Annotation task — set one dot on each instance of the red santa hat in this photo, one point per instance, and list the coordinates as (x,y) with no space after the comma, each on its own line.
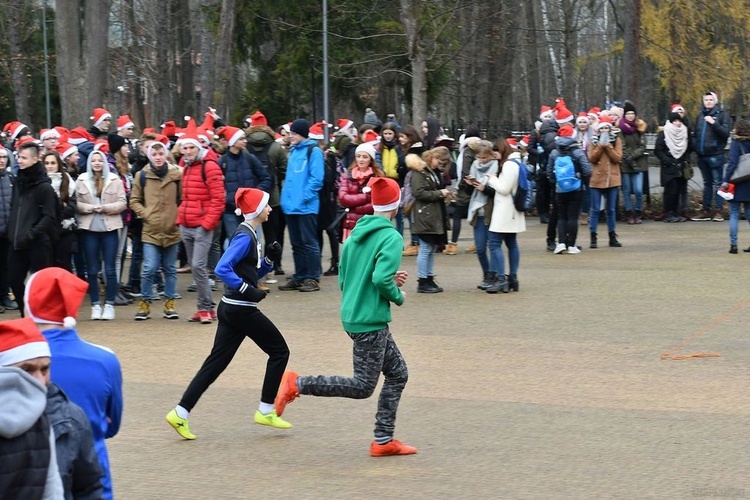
(605,120)
(258,119)
(583,117)
(124,122)
(163,139)
(546,113)
(250,202)
(512,142)
(386,193)
(316,131)
(563,114)
(205,136)
(65,149)
(344,123)
(566,130)
(208,123)
(594,113)
(14,129)
(25,140)
(525,141)
(149,130)
(101,145)
(53,295)
(20,340)
(287,127)
(190,134)
(169,128)
(99,115)
(79,135)
(231,134)
(370,136)
(677,108)
(48,133)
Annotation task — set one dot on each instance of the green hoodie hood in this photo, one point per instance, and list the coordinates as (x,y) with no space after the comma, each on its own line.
(369,261)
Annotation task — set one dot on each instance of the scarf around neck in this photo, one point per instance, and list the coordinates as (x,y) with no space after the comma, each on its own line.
(676,139)
(359,174)
(627,127)
(481,172)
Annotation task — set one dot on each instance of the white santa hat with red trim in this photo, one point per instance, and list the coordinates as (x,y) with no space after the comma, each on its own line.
(99,115)
(124,122)
(250,202)
(386,193)
(53,295)
(20,340)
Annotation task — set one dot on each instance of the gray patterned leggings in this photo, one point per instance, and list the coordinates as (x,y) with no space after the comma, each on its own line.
(373,353)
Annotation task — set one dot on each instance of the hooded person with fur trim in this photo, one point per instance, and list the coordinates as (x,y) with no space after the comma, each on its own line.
(634,163)
(240,268)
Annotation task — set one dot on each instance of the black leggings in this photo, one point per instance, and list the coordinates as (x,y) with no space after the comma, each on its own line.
(236,323)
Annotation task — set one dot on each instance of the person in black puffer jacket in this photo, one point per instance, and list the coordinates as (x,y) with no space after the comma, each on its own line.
(6,193)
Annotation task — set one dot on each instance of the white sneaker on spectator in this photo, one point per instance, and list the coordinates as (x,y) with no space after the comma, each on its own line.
(574,250)
(560,248)
(96,312)
(109,312)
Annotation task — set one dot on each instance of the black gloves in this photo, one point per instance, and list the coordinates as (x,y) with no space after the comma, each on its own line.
(253,294)
(273,251)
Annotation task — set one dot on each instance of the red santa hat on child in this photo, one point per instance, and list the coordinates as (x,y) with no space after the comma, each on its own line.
(124,122)
(546,113)
(258,119)
(583,117)
(99,115)
(250,202)
(566,130)
(53,295)
(386,193)
(605,120)
(20,340)
(231,134)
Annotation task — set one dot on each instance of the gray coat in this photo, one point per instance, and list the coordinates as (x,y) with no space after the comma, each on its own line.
(6,194)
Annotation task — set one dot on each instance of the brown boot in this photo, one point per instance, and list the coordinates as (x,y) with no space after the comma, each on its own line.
(411,251)
(450,249)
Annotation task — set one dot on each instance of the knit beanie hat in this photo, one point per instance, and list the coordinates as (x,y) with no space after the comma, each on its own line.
(367,148)
(20,340)
(250,202)
(301,127)
(628,106)
(116,142)
(53,295)
(386,193)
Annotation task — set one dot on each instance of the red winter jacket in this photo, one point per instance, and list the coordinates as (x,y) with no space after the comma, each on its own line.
(202,202)
(352,197)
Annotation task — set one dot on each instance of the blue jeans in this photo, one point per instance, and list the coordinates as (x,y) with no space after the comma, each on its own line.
(400,221)
(156,258)
(734,219)
(230,222)
(303,234)
(481,233)
(98,246)
(496,252)
(633,184)
(611,200)
(711,170)
(425,259)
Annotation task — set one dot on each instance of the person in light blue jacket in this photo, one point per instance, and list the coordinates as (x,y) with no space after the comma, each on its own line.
(300,203)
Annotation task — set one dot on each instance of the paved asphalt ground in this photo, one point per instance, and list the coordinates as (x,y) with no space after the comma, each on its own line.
(558,391)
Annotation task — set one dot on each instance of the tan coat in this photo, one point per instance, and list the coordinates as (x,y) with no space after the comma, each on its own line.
(113,200)
(605,165)
(505,217)
(156,204)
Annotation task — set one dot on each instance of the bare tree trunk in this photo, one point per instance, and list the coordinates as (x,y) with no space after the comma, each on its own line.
(224,70)
(95,48)
(207,44)
(534,77)
(556,67)
(71,69)
(18,71)
(134,56)
(410,17)
(185,104)
(632,51)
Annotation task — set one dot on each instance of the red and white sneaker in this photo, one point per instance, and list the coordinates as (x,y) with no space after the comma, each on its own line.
(394,447)
(202,317)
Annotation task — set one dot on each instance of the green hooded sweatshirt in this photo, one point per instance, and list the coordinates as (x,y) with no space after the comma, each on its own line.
(369,261)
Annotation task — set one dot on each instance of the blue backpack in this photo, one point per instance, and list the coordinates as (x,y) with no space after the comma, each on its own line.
(566,177)
(523,200)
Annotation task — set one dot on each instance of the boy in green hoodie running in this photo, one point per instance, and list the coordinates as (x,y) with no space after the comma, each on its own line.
(369,280)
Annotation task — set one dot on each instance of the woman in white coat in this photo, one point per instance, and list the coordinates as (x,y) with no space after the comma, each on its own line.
(506,221)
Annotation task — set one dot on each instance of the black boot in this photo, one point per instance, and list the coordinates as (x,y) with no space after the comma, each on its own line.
(425,286)
(500,285)
(593,241)
(489,278)
(732,248)
(333,270)
(434,285)
(550,245)
(513,282)
(613,240)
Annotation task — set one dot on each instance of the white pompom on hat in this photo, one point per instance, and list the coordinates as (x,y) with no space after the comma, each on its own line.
(53,295)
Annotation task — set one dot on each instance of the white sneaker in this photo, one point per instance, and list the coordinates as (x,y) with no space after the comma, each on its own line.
(560,248)
(573,250)
(96,312)
(109,312)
